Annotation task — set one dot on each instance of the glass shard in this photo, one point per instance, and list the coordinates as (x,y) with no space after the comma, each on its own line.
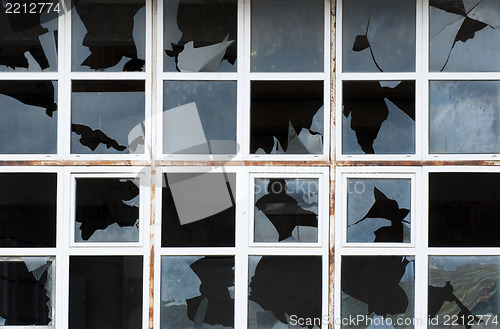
(200,36)
(197,292)
(380,116)
(287,36)
(378,210)
(280,110)
(103,113)
(28,209)
(107,210)
(286,210)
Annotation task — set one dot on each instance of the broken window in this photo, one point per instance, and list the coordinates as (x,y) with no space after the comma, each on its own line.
(28,209)
(286,210)
(463,289)
(378,117)
(28,36)
(199,117)
(281,287)
(464,209)
(464,35)
(378,36)
(464,117)
(103,113)
(198,210)
(200,36)
(286,117)
(26,291)
(29,116)
(108,36)
(379,290)
(378,210)
(107,210)
(197,292)
(287,35)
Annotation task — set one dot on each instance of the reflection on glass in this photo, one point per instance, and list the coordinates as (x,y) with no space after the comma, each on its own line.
(463,289)
(199,117)
(28,209)
(197,292)
(28,40)
(107,210)
(380,289)
(464,209)
(464,117)
(287,35)
(464,35)
(26,291)
(200,36)
(378,210)
(198,210)
(108,36)
(378,35)
(378,117)
(280,286)
(105,292)
(103,115)
(286,117)
(286,210)
(29,117)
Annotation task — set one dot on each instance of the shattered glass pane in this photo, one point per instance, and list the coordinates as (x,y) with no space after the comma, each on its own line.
(29,116)
(378,117)
(461,288)
(107,210)
(287,35)
(199,117)
(464,209)
(103,113)
(378,210)
(379,291)
(28,209)
(286,117)
(108,36)
(105,292)
(200,36)
(26,292)
(464,117)
(464,35)
(378,35)
(197,292)
(286,210)
(282,286)
(198,210)
(28,38)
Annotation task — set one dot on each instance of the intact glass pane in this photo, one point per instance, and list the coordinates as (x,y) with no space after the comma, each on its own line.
(108,36)
(29,117)
(378,35)
(199,117)
(378,210)
(464,35)
(463,290)
(287,35)
(286,210)
(378,291)
(197,292)
(284,289)
(28,36)
(105,115)
(378,117)
(464,117)
(28,209)
(107,210)
(200,36)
